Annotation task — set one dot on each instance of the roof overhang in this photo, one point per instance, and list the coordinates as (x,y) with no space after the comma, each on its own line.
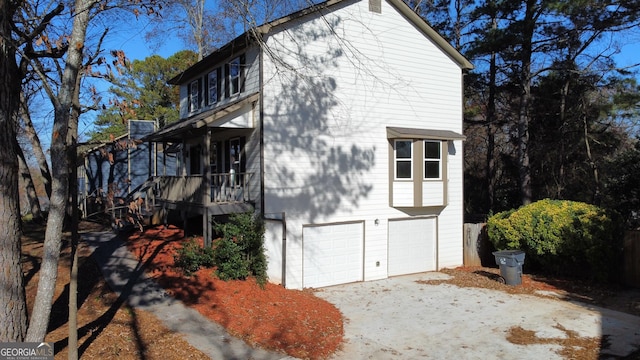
(244,40)
(401,6)
(441,42)
(410,133)
(174,131)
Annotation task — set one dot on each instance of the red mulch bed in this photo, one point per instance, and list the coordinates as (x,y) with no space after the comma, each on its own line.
(290,321)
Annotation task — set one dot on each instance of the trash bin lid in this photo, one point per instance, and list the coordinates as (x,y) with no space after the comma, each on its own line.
(518,255)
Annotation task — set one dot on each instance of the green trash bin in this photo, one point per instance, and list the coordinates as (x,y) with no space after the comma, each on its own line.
(510,263)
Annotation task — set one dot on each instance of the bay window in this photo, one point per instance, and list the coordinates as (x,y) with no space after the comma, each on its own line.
(403,159)
(432,159)
(418,166)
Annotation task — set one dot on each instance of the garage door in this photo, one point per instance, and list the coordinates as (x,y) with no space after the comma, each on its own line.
(332,254)
(412,246)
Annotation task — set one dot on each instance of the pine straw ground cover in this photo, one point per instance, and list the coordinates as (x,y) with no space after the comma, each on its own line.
(293,322)
(108,329)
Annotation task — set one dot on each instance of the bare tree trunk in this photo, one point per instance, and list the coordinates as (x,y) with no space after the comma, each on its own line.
(13,309)
(195,16)
(596,197)
(524,167)
(38,153)
(32,195)
(60,171)
(491,118)
(564,91)
(75,237)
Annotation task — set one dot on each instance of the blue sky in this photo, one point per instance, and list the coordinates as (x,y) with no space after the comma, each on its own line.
(131,39)
(630,54)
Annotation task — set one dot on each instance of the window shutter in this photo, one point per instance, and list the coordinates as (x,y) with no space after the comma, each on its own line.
(189,98)
(206,90)
(226,80)
(219,155)
(219,85)
(227,159)
(243,155)
(200,98)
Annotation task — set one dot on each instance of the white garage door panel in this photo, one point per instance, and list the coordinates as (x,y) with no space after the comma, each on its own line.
(332,254)
(412,246)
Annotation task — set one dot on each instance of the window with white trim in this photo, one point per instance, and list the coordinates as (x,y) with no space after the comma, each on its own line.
(432,160)
(403,155)
(194,96)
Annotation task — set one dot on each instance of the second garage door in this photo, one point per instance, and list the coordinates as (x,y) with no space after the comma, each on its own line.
(412,246)
(332,254)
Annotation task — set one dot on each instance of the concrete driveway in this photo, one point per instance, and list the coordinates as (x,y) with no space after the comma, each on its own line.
(399,318)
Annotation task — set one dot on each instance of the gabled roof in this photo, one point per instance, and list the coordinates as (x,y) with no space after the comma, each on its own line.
(242,41)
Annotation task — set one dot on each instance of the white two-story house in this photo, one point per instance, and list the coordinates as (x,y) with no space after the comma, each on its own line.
(342,125)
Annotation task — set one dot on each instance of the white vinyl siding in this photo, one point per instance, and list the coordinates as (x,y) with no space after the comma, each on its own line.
(433,193)
(327,157)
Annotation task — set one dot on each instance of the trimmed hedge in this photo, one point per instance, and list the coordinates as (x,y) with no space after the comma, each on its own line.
(561,237)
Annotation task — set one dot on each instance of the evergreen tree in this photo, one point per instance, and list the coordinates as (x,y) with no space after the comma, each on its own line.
(142,93)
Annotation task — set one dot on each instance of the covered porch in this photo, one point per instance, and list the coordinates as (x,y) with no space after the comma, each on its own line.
(215,173)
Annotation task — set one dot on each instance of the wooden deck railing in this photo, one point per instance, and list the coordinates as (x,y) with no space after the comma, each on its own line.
(223,188)
(231,187)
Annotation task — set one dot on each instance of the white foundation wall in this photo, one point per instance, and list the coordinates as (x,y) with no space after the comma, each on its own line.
(325,115)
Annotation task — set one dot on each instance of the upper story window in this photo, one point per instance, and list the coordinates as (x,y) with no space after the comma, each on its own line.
(425,153)
(403,156)
(194,95)
(213,86)
(432,159)
(224,82)
(234,76)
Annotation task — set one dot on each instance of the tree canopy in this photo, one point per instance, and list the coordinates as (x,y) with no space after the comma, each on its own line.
(142,93)
(546,106)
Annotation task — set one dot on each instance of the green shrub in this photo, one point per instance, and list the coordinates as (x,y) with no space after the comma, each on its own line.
(561,237)
(191,257)
(230,261)
(240,251)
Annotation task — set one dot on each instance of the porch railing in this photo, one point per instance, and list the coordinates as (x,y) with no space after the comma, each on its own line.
(231,187)
(224,188)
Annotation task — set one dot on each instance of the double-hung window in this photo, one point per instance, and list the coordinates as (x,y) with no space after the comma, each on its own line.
(194,96)
(419,166)
(403,155)
(432,160)
(212,87)
(235,72)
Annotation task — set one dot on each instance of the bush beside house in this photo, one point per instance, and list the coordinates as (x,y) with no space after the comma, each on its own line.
(237,254)
(562,237)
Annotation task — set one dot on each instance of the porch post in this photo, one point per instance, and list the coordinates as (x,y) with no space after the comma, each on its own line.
(206,226)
